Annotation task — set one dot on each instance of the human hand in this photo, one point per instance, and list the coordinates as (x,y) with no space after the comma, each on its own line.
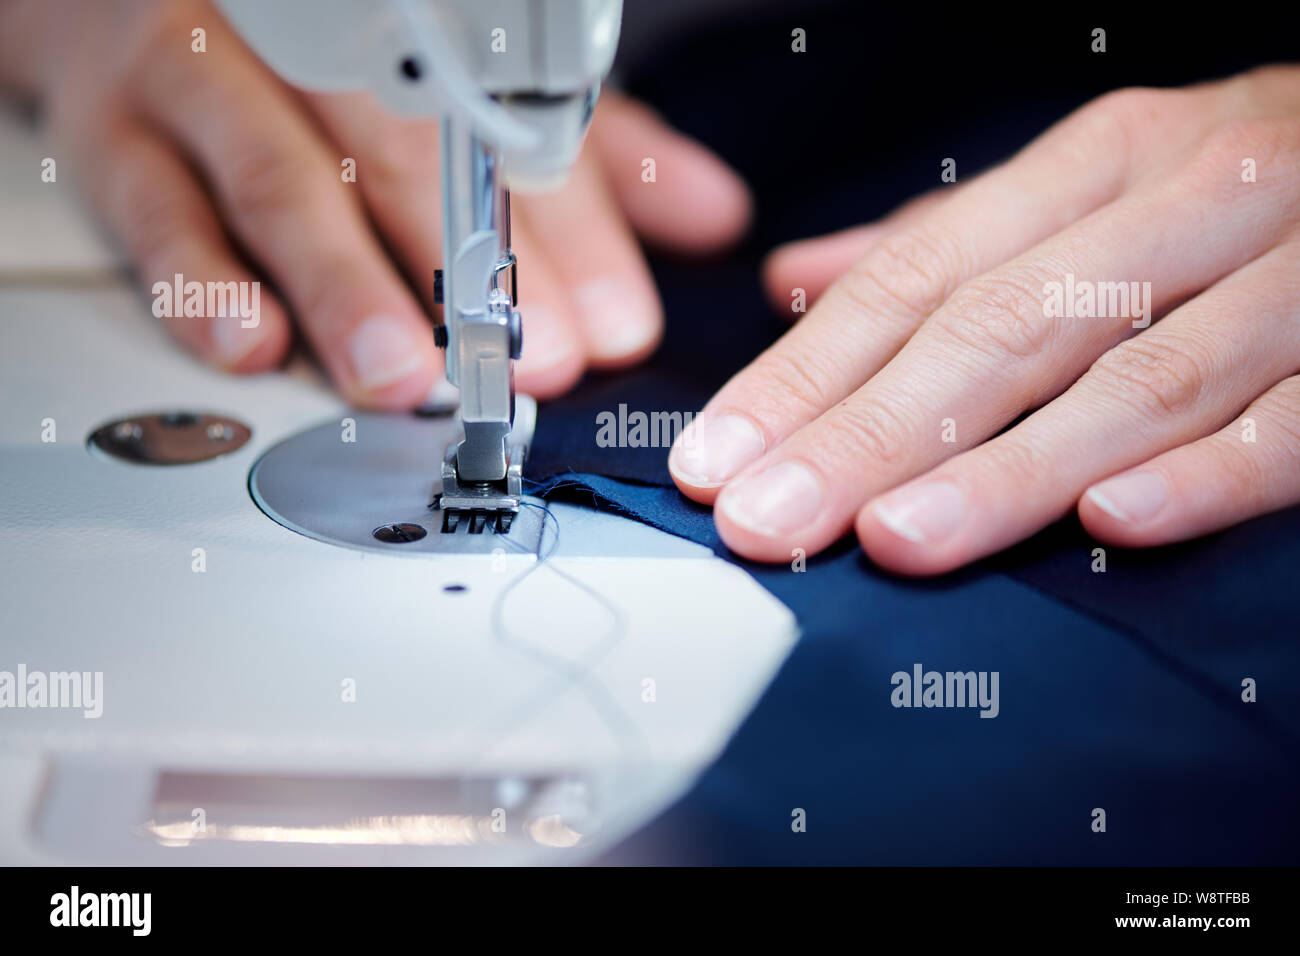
(207,165)
(940,325)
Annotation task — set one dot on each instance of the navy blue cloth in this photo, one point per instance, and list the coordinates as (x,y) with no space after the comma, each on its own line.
(1093,713)
(1119,690)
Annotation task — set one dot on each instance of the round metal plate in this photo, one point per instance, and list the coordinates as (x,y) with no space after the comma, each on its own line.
(349,485)
(170,438)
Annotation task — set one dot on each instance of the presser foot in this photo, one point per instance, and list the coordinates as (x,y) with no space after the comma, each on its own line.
(472,507)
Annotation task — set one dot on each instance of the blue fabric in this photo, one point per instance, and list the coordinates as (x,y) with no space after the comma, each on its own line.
(1092,714)
(1120,690)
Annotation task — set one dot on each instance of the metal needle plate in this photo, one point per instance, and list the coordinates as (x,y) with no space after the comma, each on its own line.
(355,493)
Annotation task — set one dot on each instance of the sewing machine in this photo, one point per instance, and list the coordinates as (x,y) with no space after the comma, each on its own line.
(514,84)
(299,658)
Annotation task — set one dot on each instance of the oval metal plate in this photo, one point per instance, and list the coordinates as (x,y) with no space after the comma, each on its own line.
(170,438)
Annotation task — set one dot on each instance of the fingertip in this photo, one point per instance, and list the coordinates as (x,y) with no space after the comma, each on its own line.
(390,363)
(723,204)
(775,513)
(746,540)
(713,205)
(1130,509)
(809,266)
(778,274)
(247,350)
(705,494)
(622,321)
(685,471)
(674,190)
(711,450)
(402,395)
(628,358)
(1100,521)
(890,547)
(551,360)
(787,257)
(549,381)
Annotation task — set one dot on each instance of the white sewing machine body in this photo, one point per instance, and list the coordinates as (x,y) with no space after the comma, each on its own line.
(269,697)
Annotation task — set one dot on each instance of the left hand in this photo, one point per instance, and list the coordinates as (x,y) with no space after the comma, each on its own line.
(882,408)
(204,164)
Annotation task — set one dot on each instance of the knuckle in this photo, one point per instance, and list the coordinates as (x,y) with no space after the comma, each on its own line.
(159,221)
(1118,118)
(1248,473)
(1128,104)
(406,161)
(999,315)
(410,149)
(1269,141)
(1273,84)
(1245,136)
(791,384)
(909,268)
(1166,379)
(161,67)
(1281,405)
(265,184)
(868,429)
(1015,460)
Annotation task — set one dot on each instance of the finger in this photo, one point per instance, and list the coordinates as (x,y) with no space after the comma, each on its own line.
(278,184)
(809,266)
(553,354)
(1251,467)
(596,257)
(397,168)
(154,204)
(864,318)
(1002,352)
(1180,380)
(673,191)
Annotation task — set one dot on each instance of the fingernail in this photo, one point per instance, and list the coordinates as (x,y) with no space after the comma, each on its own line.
(783,499)
(925,513)
(232,343)
(617,317)
(546,343)
(1133,497)
(384,350)
(711,450)
(442,397)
